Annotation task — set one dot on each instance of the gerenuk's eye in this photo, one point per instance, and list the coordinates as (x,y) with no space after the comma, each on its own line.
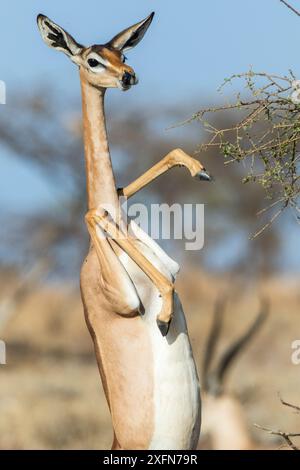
(93,63)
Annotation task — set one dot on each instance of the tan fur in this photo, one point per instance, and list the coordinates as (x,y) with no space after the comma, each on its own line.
(111,303)
(124,355)
(122,344)
(101,185)
(175,158)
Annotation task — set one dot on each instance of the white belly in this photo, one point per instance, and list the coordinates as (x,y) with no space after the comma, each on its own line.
(176,386)
(176,391)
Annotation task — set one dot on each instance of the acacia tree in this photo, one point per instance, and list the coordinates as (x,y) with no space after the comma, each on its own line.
(264,136)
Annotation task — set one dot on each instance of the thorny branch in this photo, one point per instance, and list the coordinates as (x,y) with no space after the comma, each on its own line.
(284,435)
(287,436)
(290,7)
(290,405)
(265,137)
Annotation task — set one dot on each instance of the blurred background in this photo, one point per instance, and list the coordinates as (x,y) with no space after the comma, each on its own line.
(50,393)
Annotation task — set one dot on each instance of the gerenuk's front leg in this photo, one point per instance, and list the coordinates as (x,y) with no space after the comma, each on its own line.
(175,158)
(128,245)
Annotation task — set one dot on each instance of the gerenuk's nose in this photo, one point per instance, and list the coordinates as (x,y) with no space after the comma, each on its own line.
(128,79)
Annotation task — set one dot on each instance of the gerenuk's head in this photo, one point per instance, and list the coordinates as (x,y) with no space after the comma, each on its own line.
(103,66)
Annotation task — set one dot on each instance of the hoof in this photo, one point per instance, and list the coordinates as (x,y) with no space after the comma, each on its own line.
(163,327)
(142,310)
(203,176)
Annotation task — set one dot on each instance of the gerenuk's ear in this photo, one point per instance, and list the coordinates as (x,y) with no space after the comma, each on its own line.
(130,37)
(56,37)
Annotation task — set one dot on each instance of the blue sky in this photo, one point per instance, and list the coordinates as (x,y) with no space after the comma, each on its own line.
(188,51)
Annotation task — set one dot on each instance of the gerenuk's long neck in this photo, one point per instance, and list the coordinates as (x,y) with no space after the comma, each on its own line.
(101,184)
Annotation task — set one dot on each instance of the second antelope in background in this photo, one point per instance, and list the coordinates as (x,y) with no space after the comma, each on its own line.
(224,422)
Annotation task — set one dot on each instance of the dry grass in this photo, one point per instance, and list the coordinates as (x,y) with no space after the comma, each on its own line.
(50,394)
